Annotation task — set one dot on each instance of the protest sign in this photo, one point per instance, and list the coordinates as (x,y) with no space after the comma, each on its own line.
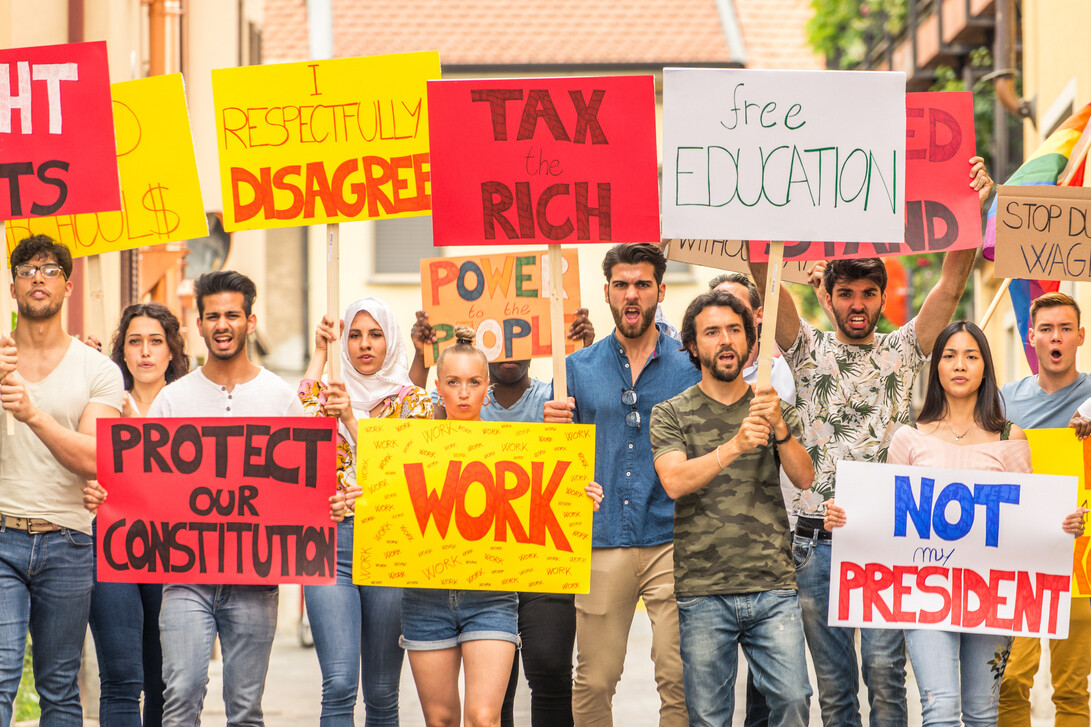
(324,141)
(1043,232)
(1060,452)
(474,505)
(57,151)
(505,298)
(230,500)
(730,255)
(543,160)
(160,192)
(952,550)
(776,155)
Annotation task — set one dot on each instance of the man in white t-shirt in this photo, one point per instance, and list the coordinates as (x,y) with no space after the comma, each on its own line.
(55,387)
(245,617)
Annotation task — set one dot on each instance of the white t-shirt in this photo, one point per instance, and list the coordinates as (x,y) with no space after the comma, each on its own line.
(32,482)
(194,395)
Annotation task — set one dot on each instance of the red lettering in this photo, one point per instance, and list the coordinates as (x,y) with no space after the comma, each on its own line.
(542,518)
(972,582)
(992,619)
(428,504)
(900,591)
(475,527)
(852,576)
(879,578)
(440,273)
(505,513)
(933,617)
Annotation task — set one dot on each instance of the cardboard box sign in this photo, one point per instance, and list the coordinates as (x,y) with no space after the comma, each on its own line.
(1043,232)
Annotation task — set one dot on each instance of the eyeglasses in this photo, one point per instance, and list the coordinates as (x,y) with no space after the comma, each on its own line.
(48,271)
(628,398)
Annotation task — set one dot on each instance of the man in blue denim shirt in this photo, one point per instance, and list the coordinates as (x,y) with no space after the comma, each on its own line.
(614,384)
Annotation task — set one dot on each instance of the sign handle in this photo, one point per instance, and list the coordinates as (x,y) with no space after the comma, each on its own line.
(769,314)
(996,301)
(5,325)
(556,321)
(333,293)
(97,290)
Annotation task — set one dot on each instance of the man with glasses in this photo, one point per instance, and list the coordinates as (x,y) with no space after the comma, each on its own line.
(55,387)
(614,384)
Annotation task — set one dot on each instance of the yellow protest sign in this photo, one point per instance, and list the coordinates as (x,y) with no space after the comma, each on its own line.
(160,193)
(324,141)
(474,505)
(1059,452)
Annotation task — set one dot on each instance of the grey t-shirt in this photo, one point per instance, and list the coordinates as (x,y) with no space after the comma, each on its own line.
(1029,407)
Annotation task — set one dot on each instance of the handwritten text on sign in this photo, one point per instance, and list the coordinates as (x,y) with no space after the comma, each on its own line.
(324,141)
(474,505)
(231,500)
(776,154)
(160,192)
(952,550)
(1043,232)
(56,131)
(729,255)
(504,297)
(544,160)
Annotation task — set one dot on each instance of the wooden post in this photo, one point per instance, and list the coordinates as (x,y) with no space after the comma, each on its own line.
(556,321)
(97,289)
(770,304)
(5,317)
(333,295)
(996,301)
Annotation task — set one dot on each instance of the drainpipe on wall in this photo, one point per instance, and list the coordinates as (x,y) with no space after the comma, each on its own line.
(1003,78)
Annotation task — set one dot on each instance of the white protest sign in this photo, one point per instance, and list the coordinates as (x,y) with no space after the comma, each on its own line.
(952,550)
(783,155)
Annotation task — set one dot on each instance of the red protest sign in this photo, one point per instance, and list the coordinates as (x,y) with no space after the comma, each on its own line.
(543,160)
(942,212)
(239,501)
(57,151)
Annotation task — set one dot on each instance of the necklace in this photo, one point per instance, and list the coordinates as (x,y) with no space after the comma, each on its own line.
(957,435)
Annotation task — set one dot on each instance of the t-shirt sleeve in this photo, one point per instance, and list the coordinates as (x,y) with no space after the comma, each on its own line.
(791,418)
(665,431)
(804,343)
(899,451)
(107,385)
(1085,409)
(906,342)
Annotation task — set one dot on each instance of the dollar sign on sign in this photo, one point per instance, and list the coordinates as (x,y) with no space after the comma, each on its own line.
(153,202)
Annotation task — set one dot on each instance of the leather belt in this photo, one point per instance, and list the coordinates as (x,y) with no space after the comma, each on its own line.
(33,525)
(810,527)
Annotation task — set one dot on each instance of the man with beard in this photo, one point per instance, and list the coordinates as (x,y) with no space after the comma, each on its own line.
(245,617)
(718,448)
(614,384)
(55,387)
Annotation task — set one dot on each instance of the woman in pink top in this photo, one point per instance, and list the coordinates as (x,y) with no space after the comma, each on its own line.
(961,426)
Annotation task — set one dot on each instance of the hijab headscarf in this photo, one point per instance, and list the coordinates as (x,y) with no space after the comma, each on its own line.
(367,390)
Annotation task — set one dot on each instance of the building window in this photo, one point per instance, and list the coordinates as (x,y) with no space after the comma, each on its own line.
(400,245)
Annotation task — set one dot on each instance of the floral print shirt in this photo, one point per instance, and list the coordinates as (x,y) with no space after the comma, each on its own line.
(850,400)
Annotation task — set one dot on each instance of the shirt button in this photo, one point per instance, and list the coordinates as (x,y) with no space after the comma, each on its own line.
(628,473)
(626,502)
(626,365)
(229,408)
(630,446)
(223,388)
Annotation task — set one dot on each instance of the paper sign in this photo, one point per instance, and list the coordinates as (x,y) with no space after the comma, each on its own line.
(729,255)
(1059,452)
(505,298)
(942,212)
(474,505)
(227,501)
(160,192)
(544,160)
(56,131)
(324,141)
(782,154)
(1043,232)
(952,550)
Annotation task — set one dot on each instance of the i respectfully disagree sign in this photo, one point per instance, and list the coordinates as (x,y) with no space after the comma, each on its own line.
(227,500)
(160,192)
(56,131)
(952,550)
(324,141)
(504,297)
(782,155)
(474,505)
(543,160)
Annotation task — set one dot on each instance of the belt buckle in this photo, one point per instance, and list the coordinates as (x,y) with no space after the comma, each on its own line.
(41,527)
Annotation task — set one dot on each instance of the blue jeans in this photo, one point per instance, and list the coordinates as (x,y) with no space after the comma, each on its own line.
(45,585)
(769,627)
(958,676)
(356,630)
(833,650)
(246,619)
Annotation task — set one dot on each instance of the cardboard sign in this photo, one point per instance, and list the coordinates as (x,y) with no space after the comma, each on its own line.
(1043,232)
(544,160)
(228,500)
(778,154)
(733,255)
(324,141)
(505,298)
(56,131)
(474,505)
(160,192)
(952,550)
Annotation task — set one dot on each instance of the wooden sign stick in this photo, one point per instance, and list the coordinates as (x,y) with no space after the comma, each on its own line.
(769,313)
(5,321)
(996,301)
(556,322)
(97,289)
(333,294)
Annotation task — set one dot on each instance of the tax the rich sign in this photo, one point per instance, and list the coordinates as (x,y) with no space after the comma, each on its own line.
(543,160)
(952,550)
(474,505)
(324,141)
(239,501)
(57,153)
(504,297)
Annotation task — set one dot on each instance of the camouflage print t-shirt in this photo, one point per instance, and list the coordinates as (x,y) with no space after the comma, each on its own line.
(732,535)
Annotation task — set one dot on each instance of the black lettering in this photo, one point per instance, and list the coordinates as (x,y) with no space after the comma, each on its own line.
(247,493)
(221,435)
(62,188)
(250,468)
(11,172)
(156,436)
(278,473)
(122,437)
(107,551)
(187,433)
(311,438)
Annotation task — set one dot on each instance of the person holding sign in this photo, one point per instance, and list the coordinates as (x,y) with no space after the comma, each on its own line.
(55,387)
(961,426)
(718,448)
(356,627)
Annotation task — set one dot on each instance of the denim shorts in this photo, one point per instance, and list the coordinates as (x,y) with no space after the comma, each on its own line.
(442,619)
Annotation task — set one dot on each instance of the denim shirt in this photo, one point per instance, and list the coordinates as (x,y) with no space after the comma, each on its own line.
(636,510)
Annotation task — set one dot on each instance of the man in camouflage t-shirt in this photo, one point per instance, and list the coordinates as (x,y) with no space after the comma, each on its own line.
(717,448)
